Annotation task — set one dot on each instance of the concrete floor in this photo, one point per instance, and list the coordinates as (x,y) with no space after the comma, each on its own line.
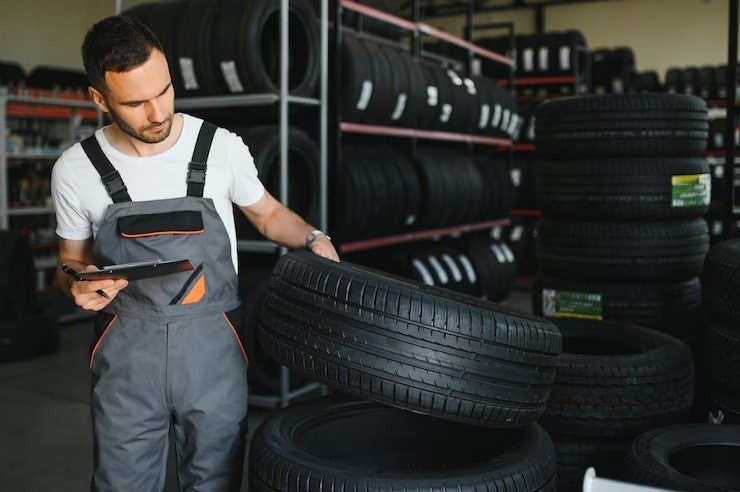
(45,434)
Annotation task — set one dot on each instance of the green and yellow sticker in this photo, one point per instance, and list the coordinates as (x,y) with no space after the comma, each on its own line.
(691,190)
(568,304)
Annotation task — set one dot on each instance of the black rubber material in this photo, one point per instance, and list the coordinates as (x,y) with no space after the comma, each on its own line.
(27,335)
(16,274)
(264,145)
(616,189)
(494,267)
(652,251)
(357,74)
(617,380)
(674,308)
(408,345)
(576,456)
(695,457)
(336,443)
(628,125)
(721,282)
(725,402)
(195,24)
(11,74)
(499,196)
(722,346)
(44,77)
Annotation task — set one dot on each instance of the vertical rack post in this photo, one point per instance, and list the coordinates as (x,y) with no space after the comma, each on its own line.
(284,375)
(729,223)
(3,160)
(335,106)
(323,117)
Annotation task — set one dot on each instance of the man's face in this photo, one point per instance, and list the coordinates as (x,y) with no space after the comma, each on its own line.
(141,101)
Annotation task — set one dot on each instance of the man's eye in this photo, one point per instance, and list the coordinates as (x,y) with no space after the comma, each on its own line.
(134,105)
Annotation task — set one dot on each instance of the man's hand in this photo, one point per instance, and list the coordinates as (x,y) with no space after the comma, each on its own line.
(83,292)
(323,247)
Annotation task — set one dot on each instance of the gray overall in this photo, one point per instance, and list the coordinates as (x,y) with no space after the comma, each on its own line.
(168,350)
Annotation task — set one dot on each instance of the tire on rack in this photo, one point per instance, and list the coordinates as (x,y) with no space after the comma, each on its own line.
(674,308)
(407,345)
(627,125)
(312,446)
(624,189)
(696,457)
(617,380)
(16,274)
(303,155)
(194,61)
(652,251)
(495,268)
(721,282)
(722,349)
(574,457)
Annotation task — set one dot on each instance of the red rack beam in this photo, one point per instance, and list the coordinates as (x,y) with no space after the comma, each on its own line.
(51,112)
(524,148)
(563,79)
(389,131)
(419,236)
(426,29)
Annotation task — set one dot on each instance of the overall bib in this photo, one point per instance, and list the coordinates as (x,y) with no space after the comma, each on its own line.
(168,349)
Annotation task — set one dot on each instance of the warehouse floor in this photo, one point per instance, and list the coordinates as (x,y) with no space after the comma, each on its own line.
(45,435)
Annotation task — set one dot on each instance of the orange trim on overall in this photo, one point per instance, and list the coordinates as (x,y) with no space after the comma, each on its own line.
(160,233)
(197,292)
(238,340)
(100,340)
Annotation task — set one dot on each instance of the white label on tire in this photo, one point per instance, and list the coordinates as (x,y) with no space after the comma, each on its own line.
(505,119)
(544,58)
(516,177)
(565,58)
(528,56)
(496,116)
(719,140)
(400,106)
(187,70)
(446,113)
(717,227)
(438,268)
(456,273)
(512,124)
(423,272)
(516,233)
(410,219)
(498,253)
(507,252)
(365,94)
(496,233)
(432,96)
(719,171)
(469,270)
(455,78)
(471,87)
(530,130)
(485,114)
(476,67)
(549,302)
(617,86)
(231,75)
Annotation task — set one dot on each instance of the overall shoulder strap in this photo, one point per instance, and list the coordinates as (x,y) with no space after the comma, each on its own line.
(111,178)
(198,164)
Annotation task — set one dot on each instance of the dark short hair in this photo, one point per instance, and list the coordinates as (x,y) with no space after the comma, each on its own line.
(116,44)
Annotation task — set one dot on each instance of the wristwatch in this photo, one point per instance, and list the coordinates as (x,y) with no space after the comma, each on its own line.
(312,235)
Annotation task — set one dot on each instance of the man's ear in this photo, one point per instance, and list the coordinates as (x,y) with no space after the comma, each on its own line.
(98,99)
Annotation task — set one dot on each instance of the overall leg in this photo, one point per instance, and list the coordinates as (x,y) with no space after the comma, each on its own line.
(210,403)
(129,407)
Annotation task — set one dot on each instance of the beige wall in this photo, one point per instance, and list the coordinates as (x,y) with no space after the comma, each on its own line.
(662,33)
(49,32)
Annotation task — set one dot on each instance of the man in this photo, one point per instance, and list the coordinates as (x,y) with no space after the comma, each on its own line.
(160,185)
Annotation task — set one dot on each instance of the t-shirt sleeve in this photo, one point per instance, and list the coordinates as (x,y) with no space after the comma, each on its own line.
(72,223)
(246,188)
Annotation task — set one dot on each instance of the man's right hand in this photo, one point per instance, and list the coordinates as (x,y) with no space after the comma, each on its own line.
(83,292)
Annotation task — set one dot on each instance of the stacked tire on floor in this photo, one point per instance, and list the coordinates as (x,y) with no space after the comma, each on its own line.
(455,385)
(622,190)
(26,329)
(721,289)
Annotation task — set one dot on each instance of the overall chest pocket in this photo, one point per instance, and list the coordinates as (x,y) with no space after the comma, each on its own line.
(166,236)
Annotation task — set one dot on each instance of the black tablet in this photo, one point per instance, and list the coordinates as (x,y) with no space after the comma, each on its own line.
(138,271)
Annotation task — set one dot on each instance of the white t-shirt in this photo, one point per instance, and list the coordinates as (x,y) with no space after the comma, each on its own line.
(80,199)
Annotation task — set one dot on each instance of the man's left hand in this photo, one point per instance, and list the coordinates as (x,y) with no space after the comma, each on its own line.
(323,247)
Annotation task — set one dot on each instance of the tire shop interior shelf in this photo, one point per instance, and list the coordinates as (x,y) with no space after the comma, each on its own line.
(266,99)
(389,131)
(557,80)
(48,107)
(362,245)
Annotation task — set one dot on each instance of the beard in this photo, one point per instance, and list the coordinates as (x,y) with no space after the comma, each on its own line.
(139,134)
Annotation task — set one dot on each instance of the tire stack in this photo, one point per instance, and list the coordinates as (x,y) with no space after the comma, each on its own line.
(614,382)
(455,385)
(26,328)
(623,189)
(708,82)
(721,292)
(387,86)
(244,53)
(612,70)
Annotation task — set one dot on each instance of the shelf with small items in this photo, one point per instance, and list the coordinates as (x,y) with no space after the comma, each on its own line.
(367,244)
(389,131)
